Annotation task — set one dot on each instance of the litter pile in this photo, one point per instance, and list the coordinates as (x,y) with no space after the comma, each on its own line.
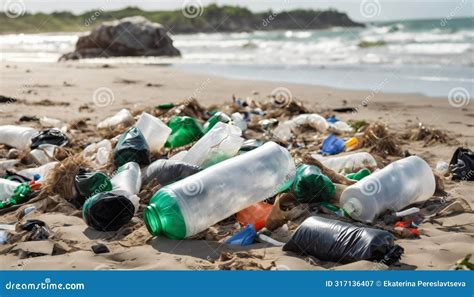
(307,182)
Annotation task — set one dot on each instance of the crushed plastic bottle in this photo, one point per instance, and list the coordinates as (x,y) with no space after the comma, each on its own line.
(154,130)
(127,178)
(184,130)
(284,130)
(7,187)
(195,203)
(340,127)
(45,153)
(239,120)
(89,183)
(348,163)
(216,118)
(17,136)
(311,185)
(396,186)
(123,117)
(20,194)
(98,153)
(221,143)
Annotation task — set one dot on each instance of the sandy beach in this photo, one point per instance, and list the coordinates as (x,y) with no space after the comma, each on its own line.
(66,90)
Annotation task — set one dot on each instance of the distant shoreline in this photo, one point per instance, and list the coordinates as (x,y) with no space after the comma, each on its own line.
(211,18)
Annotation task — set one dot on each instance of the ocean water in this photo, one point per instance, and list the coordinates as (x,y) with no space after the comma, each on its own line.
(421,56)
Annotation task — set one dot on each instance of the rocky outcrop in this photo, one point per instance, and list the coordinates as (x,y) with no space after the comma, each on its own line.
(131,36)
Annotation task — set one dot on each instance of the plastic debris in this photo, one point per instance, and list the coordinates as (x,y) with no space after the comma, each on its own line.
(132,147)
(348,163)
(462,165)
(50,136)
(17,136)
(168,171)
(184,130)
(311,185)
(284,130)
(195,203)
(121,118)
(255,215)
(332,240)
(244,237)
(392,188)
(154,130)
(332,145)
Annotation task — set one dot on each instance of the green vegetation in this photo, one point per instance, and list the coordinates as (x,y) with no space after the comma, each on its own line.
(213,18)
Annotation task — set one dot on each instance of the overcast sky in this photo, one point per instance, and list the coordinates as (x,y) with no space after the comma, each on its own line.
(378,10)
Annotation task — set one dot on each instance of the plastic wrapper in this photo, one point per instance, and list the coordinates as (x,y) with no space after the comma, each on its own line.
(311,185)
(90,183)
(332,240)
(132,147)
(50,136)
(168,171)
(462,164)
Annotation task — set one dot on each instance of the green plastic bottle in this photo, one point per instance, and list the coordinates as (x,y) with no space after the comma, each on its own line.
(216,118)
(165,106)
(311,185)
(91,183)
(184,130)
(359,174)
(20,195)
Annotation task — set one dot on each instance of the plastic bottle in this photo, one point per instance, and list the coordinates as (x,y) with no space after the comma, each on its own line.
(127,178)
(45,153)
(168,171)
(311,185)
(7,187)
(216,118)
(239,120)
(394,187)
(221,143)
(283,130)
(88,184)
(184,130)
(123,117)
(17,136)
(195,203)
(348,163)
(359,174)
(154,130)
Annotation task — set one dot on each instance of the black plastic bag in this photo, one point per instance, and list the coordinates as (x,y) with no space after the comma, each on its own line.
(132,147)
(462,164)
(168,171)
(332,240)
(89,183)
(49,136)
(108,211)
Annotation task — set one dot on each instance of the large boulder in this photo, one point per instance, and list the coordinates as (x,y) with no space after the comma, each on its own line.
(131,36)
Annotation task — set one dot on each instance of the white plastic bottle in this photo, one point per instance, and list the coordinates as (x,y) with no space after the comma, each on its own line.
(348,163)
(197,202)
(223,141)
(128,181)
(120,118)
(394,187)
(17,136)
(154,130)
(7,187)
(284,130)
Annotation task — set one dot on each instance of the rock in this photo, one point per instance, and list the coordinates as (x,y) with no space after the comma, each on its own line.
(100,248)
(131,36)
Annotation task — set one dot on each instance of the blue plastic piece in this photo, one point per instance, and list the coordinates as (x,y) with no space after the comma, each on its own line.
(332,145)
(332,119)
(244,237)
(36,177)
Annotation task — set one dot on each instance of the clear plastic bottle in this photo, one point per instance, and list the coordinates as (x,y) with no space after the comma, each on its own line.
(7,187)
(122,117)
(195,203)
(394,187)
(223,141)
(348,163)
(17,136)
(127,178)
(284,130)
(154,130)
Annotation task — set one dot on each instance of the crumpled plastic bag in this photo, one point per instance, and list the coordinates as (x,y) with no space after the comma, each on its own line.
(108,211)
(132,147)
(311,185)
(89,183)
(332,145)
(462,164)
(49,136)
(332,240)
(168,171)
